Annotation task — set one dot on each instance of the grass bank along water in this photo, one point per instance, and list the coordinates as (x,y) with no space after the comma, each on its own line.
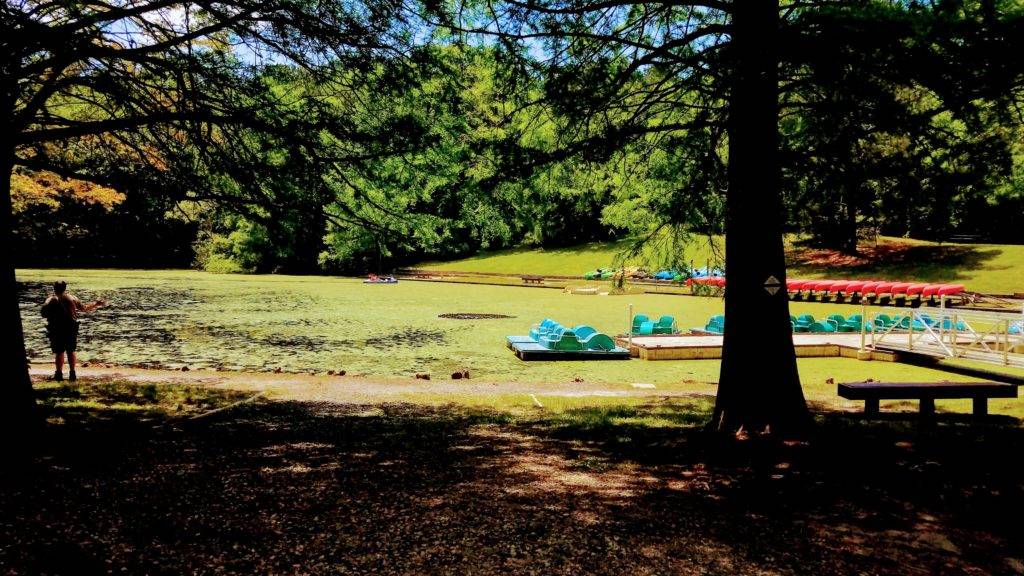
(986,268)
(298,324)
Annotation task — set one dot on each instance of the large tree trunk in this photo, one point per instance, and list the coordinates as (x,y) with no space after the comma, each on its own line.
(850,222)
(759,387)
(18,416)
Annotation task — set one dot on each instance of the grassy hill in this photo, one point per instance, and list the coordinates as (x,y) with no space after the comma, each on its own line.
(572,260)
(988,268)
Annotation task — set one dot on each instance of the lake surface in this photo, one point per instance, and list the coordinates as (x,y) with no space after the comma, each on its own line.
(298,323)
(301,323)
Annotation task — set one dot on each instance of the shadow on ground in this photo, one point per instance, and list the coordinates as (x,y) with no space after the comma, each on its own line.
(307,488)
(895,261)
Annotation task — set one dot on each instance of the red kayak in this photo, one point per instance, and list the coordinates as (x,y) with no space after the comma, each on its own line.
(855,287)
(870,287)
(883,288)
(915,289)
(839,286)
(900,287)
(950,290)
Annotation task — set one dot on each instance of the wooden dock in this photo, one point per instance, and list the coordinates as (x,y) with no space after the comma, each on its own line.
(709,347)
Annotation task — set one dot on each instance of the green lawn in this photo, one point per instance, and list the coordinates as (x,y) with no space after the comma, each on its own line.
(987,268)
(116,399)
(571,261)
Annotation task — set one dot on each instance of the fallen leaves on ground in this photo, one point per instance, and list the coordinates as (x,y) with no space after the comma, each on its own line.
(324,488)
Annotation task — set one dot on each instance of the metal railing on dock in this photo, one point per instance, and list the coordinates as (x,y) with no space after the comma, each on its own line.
(985,336)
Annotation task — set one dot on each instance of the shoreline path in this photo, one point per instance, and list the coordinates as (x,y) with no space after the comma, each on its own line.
(347,389)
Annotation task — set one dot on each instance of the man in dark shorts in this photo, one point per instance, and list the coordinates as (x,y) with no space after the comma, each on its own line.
(61,311)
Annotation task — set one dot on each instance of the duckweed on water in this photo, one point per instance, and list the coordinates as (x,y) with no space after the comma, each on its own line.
(173,318)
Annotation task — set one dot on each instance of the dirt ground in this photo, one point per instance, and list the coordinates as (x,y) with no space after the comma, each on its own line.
(324,387)
(278,486)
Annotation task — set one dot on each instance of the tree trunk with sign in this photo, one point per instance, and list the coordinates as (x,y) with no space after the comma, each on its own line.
(759,387)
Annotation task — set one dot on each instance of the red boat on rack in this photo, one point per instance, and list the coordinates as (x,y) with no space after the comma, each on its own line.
(871,290)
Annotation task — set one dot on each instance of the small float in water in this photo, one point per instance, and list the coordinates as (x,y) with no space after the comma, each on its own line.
(374,279)
(586,290)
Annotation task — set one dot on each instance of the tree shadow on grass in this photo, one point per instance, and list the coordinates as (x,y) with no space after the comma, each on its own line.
(895,261)
(320,488)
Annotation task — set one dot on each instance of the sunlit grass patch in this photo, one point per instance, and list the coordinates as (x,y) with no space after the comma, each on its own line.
(989,268)
(645,412)
(149,399)
(581,412)
(569,261)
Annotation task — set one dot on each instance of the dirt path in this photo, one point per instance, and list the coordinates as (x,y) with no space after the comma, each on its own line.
(324,387)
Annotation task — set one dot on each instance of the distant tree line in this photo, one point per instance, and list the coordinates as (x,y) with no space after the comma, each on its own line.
(443,156)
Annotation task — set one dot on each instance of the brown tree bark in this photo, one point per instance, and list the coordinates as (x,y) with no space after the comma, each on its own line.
(759,387)
(18,416)
(19,419)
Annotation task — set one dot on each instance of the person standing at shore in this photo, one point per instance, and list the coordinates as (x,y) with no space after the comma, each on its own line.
(61,311)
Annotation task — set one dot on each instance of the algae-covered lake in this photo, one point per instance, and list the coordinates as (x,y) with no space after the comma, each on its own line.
(300,323)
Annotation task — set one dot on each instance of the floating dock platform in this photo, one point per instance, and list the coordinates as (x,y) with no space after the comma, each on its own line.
(707,346)
(527,348)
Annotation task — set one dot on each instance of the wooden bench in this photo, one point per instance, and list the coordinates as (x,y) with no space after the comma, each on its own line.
(927,393)
(965,238)
(533,279)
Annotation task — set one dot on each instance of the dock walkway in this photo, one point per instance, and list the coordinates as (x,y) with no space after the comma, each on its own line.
(704,347)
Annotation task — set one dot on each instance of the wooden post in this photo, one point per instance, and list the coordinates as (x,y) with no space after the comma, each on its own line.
(980,406)
(927,407)
(910,330)
(955,331)
(1006,342)
(863,324)
(871,406)
(942,321)
(629,328)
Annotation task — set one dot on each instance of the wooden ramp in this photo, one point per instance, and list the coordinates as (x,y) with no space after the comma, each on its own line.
(987,350)
(706,347)
(991,337)
(527,348)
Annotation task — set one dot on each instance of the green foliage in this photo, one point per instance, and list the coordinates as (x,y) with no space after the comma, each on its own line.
(908,130)
(373,162)
(219,264)
(62,221)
